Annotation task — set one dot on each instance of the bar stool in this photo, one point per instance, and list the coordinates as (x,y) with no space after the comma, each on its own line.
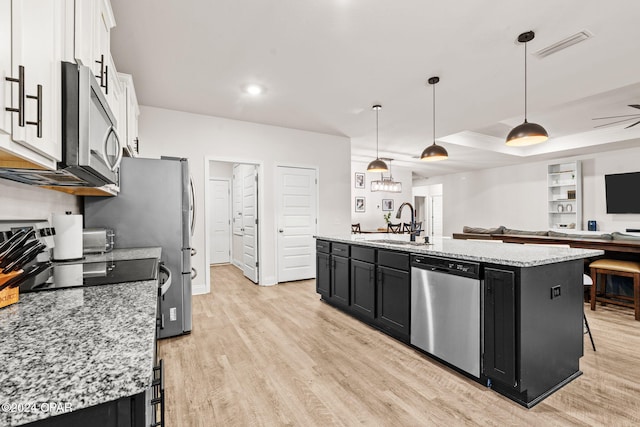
(615,267)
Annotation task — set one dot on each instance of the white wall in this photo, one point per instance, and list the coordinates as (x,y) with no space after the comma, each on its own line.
(516,196)
(372,218)
(220,169)
(21,201)
(203,138)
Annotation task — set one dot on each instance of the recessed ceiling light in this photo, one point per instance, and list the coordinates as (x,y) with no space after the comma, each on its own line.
(254,89)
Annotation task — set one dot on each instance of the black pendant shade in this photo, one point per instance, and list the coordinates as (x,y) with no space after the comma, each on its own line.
(434,152)
(377,165)
(526,133)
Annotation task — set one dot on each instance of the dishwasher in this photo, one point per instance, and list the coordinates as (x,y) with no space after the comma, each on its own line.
(445,310)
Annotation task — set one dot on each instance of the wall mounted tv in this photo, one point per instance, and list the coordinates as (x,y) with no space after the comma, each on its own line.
(622,193)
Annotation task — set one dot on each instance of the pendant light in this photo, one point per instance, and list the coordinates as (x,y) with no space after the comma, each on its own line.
(377,165)
(434,152)
(526,133)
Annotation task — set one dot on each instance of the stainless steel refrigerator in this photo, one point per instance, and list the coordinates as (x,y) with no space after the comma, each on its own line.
(155,207)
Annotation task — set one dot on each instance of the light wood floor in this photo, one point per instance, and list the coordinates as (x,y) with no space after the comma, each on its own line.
(272,356)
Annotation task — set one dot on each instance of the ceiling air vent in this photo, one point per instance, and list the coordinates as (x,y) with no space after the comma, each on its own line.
(563,44)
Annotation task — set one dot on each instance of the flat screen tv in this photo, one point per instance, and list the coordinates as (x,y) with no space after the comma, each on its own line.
(622,192)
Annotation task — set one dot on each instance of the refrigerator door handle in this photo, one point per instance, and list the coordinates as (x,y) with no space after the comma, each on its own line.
(194,273)
(192,208)
(167,283)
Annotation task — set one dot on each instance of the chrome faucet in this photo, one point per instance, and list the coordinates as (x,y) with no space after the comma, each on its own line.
(412,231)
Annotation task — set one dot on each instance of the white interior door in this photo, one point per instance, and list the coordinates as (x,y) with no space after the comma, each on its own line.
(220,221)
(250,222)
(297,213)
(435,222)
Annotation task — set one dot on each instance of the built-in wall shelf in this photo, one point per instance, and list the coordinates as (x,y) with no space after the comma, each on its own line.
(564,195)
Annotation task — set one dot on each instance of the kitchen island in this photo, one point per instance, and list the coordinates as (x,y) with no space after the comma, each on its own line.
(87,350)
(508,316)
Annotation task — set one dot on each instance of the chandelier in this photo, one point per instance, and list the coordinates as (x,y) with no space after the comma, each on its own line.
(386,183)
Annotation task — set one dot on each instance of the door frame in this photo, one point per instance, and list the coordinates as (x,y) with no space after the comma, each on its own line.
(229,207)
(276,208)
(207,207)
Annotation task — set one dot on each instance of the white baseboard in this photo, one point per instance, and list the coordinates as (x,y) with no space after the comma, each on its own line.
(199,289)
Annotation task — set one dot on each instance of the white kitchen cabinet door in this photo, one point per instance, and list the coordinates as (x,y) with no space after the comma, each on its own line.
(93,23)
(130,134)
(115,98)
(31,37)
(37,33)
(5,65)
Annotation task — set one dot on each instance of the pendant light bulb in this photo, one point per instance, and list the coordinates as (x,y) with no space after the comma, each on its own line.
(526,133)
(377,165)
(434,152)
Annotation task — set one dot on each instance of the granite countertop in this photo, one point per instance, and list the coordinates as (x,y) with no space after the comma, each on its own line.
(494,252)
(77,347)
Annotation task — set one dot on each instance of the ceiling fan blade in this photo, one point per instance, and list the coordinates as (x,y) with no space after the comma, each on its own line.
(635,106)
(612,123)
(630,126)
(615,117)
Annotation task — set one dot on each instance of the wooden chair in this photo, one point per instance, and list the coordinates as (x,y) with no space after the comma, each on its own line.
(406,227)
(394,228)
(355,228)
(614,267)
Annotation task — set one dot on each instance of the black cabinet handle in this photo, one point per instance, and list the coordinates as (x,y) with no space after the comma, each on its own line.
(38,122)
(20,109)
(106,80)
(104,74)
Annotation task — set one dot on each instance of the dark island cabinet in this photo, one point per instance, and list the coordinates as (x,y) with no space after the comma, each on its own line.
(323,268)
(340,274)
(323,274)
(363,288)
(532,328)
(499,324)
(393,291)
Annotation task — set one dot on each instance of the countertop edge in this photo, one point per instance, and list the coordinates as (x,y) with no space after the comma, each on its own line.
(567,255)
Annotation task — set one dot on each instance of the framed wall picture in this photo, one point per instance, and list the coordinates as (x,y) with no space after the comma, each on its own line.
(387,204)
(360,206)
(359,182)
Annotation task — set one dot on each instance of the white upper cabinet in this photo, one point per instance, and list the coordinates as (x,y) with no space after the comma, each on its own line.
(5,65)
(31,83)
(130,135)
(93,23)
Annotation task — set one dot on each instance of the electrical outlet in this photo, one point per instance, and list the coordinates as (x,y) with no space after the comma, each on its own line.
(173,314)
(555,291)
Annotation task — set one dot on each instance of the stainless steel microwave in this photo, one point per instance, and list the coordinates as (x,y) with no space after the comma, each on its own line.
(91,148)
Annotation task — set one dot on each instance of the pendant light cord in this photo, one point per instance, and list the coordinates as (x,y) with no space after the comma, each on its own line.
(525,82)
(377,154)
(434,113)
